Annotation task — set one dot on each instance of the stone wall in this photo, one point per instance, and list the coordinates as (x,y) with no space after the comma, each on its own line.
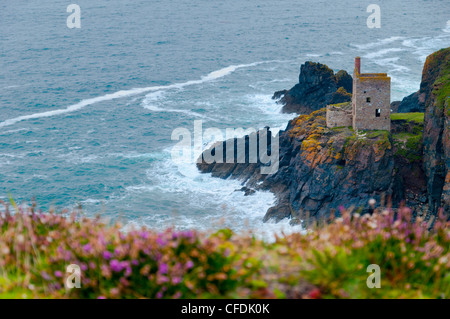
(372,97)
(339,115)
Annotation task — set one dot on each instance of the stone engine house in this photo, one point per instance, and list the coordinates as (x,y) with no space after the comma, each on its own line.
(370,108)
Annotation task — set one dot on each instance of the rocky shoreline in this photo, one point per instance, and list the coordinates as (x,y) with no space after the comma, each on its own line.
(322,169)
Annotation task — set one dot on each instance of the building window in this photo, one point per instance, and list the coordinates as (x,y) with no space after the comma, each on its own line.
(378,113)
(368,100)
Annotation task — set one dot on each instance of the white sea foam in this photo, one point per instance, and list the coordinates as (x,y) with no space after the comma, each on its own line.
(378,43)
(313,55)
(447,27)
(391,63)
(127,93)
(265,103)
(422,47)
(14,131)
(403,85)
(10,87)
(382,52)
(225,206)
(151,100)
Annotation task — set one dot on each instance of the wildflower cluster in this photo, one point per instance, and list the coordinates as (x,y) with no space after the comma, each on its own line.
(414,255)
(328,261)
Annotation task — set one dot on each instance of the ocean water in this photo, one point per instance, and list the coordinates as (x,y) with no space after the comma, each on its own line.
(86,115)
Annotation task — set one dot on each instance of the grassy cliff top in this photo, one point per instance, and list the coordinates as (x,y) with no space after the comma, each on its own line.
(410,117)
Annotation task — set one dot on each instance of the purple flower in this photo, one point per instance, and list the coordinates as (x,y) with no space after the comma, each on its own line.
(144,234)
(163,268)
(134,262)
(101,297)
(58,274)
(101,239)
(67,255)
(188,234)
(176,280)
(177,295)
(45,275)
(189,264)
(160,241)
(87,248)
(107,255)
(159,295)
(124,282)
(115,265)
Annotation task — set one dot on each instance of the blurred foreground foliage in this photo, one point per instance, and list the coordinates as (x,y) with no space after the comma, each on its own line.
(329,261)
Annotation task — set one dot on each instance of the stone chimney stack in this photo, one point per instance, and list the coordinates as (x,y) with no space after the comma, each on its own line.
(358,64)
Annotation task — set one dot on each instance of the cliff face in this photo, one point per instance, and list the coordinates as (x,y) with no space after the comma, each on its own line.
(317,87)
(322,168)
(418,101)
(436,86)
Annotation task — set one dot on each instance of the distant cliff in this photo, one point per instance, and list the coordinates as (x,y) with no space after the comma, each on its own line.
(412,103)
(317,87)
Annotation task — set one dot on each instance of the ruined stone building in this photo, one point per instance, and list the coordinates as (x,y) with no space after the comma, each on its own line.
(370,108)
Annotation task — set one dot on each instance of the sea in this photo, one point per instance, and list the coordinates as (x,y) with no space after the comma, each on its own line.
(87,114)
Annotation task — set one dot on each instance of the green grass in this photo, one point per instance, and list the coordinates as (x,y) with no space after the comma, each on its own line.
(442,83)
(403,136)
(410,117)
(409,145)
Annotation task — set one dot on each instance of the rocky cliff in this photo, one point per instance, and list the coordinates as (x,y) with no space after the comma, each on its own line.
(412,103)
(321,169)
(317,87)
(416,102)
(436,86)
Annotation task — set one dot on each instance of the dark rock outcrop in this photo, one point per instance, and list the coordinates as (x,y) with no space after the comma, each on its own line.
(317,87)
(394,106)
(321,169)
(436,87)
(412,103)
(410,176)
